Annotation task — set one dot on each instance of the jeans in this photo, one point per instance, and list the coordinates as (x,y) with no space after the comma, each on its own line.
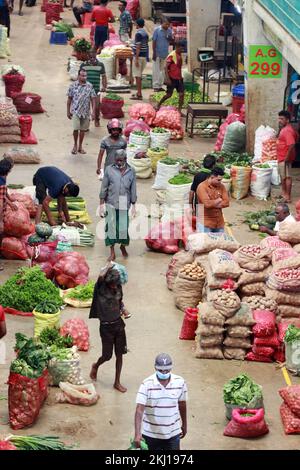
(202,229)
(163,444)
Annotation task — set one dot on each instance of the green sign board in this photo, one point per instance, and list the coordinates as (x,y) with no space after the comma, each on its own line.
(264,62)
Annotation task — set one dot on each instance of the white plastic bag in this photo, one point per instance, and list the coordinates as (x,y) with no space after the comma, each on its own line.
(85,395)
(163,174)
(141,141)
(142,167)
(275,178)
(177,194)
(260,186)
(262,133)
(160,140)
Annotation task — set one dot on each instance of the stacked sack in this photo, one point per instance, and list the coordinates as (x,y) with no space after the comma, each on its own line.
(238,332)
(290,409)
(189,285)
(209,334)
(254,260)
(9,123)
(178,261)
(265,337)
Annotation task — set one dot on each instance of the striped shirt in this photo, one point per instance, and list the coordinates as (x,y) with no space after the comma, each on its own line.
(161,418)
(142,39)
(94,72)
(125,22)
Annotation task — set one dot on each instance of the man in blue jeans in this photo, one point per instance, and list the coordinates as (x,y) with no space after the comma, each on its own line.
(212,198)
(160,417)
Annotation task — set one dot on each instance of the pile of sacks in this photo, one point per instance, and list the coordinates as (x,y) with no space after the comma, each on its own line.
(9,123)
(265,337)
(17,228)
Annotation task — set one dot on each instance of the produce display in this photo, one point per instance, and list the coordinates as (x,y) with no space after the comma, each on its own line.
(140,133)
(168,161)
(180,179)
(207,128)
(77,329)
(34,442)
(62,27)
(256,219)
(193,271)
(174,100)
(52,336)
(113,97)
(232,158)
(160,130)
(33,353)
(242,391)
(257,302)
(82,292)
(27,288)
(63,354)
(292,334)
(48,307)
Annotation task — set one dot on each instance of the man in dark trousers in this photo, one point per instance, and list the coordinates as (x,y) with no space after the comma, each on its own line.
(107,306)
(52,183)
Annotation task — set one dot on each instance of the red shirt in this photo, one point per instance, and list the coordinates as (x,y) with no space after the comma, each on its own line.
(101,15)
(2,315)
(287,137)
(174,69)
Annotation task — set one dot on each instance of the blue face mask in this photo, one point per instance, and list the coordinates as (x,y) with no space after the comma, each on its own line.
(162,376)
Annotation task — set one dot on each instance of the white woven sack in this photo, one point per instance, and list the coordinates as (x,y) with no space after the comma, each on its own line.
(163,174)
(275,178)
(260,186)
(262,133)
(177,194)
(160,140)
(142,167)
(141,141)
(131,151)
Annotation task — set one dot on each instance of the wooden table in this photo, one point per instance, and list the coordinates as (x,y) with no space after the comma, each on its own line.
(204,110)
(125,57)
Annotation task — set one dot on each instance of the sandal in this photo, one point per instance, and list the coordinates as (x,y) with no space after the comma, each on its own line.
(83,152)
(136,97)
(74,152)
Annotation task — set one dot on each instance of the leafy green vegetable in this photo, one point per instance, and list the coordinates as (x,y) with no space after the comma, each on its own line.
(34,442)
(50,336)
(113,97)
(169,161)
(63,354)
(27,288)
(160,130)
(180,179)
(140,133)
(19,366)
(292,334)
(174,100)
(48,307)
(82,292)
(33,352)
(241,390)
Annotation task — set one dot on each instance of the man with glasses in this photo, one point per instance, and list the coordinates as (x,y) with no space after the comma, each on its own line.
(212,198)
(160,417)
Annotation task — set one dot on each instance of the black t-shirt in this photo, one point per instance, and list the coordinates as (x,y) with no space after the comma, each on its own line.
(198,179)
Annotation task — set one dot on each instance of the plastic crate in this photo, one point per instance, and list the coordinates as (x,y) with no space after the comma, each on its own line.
(58,38)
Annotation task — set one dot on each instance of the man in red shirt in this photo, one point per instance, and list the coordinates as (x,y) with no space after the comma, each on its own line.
(173,75)
(102,16)
(287,138)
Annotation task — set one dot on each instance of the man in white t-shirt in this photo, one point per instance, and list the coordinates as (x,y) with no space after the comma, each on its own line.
(160,417)
(282,213)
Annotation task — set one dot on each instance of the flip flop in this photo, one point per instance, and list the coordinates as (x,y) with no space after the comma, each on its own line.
(136,98)
(83,152)
(74,152)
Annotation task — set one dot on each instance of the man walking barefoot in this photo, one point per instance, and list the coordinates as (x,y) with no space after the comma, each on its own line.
(287,138)
(107,306)
(81,97)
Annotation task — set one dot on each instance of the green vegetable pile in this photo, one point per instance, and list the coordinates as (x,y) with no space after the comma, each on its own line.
(33,442)
(256,219)
(62,27)
(180,179)
(52,336)
(292,334)
(63,354)
(48,307)
(113,97)
(27,288)
(262,165)
(160,130)
(82,292)
(226,176)
(241,390)
(82,45)
(168,161)
(233,158)
(141,133)
(32,357)
(174,100)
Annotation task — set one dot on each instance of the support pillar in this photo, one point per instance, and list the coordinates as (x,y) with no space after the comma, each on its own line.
(264,96)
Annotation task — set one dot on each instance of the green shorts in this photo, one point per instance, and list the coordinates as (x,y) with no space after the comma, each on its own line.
(80,124)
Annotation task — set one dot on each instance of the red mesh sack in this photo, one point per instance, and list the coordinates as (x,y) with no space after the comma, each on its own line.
(229,120)
(265,323)
(189,324)
(290,421)
(247,426)
(168,117)
(291,397)
(25,122)
(13,248)
(161,238)
(44,252)
(30,140)
(250,356)
(269,341)
(78,329)
(24,400)
(47,269)
(17,223)
(6,445)
(135,125)
(52,12)
(28,103)
(13,83)
(262,351)
(26,200)
(143,110)
(279,355)
(70,269)
(111,108)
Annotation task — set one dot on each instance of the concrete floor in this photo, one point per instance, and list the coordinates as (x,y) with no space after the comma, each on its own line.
(155,324)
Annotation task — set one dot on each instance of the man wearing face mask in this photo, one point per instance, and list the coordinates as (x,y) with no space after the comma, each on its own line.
(160,416)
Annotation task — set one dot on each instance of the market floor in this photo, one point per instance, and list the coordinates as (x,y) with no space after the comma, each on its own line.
(155,324)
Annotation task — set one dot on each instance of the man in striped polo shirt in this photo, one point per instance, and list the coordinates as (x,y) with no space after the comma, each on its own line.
(161,408)
(95,71)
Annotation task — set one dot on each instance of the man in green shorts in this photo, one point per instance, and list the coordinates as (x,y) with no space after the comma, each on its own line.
(95,72)
(81,96)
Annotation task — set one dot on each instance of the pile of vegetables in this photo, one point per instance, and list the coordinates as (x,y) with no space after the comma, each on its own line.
(113,97)
(43,233)
(256,302)
(33,442)
(241,390)
(27,288)
(193,271)
(141,133)
(48,307)
(63,354)
(73,203)
(62,27)
(262,165)
(174,100)
(32,357)
(233,158)
(207,128)
(191,167)
(160,130)
(292,334)
(256,219)
(52,336)
(82,45)
(82,292)
(180,179)
(168,161)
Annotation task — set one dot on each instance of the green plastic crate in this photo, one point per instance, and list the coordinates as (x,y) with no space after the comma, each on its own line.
(189,86)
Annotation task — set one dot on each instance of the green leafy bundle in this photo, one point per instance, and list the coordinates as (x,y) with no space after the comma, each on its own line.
(50,336)
(32,357)
(241,390)
(180,179)
(292,334)
(27,288)
(82,292)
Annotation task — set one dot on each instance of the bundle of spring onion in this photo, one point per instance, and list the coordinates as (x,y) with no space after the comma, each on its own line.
(87,238)
(33,442)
